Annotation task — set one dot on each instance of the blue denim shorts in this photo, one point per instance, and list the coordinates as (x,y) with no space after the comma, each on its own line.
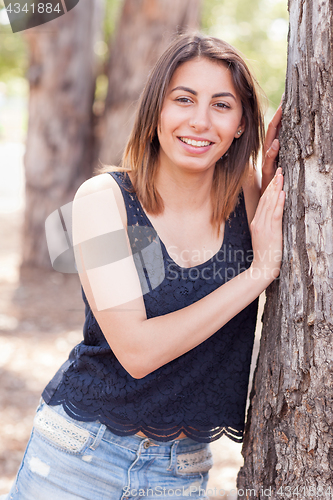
(68,459)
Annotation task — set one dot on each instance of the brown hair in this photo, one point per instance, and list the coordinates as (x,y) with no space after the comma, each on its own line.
(142,150)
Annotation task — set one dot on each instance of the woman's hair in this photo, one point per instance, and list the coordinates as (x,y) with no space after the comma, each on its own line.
(142,149)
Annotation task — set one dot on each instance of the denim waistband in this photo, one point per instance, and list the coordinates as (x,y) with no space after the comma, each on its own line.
(132,442)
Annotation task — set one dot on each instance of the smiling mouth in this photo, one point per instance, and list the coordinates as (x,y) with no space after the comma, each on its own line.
(196,144)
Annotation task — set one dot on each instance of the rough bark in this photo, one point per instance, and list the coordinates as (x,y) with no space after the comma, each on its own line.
(144,31)
(59,142)
(288,444)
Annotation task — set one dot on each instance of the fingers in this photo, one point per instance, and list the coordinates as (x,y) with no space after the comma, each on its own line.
(279,171)
(273,196)
(267,198)
(271,148)
(261,206)
(269,164)
(278,212)
(266,229)
(273,128)
(275,121)
(271,153)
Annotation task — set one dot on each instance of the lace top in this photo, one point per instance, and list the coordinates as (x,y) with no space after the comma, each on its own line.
(202,392)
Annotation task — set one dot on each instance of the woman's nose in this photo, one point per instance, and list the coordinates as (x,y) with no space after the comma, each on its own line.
(200,119)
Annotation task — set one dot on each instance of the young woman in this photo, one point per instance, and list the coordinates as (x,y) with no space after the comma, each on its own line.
(171,274)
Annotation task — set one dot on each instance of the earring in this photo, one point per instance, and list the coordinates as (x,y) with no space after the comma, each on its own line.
(239,132)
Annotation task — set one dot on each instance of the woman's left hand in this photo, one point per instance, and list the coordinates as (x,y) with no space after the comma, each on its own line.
(271,149)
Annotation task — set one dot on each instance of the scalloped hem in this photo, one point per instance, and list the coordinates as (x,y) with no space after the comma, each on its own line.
(165,434)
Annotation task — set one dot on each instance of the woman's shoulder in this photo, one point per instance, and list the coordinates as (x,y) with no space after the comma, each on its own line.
(99,184)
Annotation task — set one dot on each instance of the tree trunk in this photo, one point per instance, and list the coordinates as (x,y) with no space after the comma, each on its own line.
(288,445)
(144,32)
(59,143)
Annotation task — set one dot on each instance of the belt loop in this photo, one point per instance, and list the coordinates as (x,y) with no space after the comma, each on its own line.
(99,437)
(128,486)
(173,456)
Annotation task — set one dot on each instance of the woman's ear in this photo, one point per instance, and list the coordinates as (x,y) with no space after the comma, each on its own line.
(241,128)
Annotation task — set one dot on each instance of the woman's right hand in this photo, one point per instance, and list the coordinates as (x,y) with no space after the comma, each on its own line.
(266,231)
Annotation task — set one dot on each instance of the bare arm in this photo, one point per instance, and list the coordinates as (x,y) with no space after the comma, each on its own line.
(142,345)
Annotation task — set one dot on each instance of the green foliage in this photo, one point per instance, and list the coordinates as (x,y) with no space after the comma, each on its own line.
(13,55)
(112,11)
(102,49)
(258,29)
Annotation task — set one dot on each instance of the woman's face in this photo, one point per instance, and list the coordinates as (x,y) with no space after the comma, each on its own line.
(200,117)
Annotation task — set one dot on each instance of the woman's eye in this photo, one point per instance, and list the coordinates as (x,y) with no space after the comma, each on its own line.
(222,105)
(183,99)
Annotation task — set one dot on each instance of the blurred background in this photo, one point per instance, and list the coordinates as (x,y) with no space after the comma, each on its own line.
(68,92)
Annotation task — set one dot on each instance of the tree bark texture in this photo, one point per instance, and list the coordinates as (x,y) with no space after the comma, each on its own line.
(288,445)
(144,31)
(59,142)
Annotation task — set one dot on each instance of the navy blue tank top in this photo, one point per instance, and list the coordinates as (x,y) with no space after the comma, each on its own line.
(201,393)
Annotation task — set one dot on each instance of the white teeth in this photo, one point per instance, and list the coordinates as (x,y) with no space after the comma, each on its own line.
(192,142)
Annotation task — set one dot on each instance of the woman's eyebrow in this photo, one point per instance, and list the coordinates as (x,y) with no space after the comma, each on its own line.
(186,89)
(194,92)
(224,94)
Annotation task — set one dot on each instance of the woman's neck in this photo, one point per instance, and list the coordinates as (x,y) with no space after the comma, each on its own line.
(184,191)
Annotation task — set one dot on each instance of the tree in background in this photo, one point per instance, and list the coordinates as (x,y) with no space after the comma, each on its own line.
(59,150)
(61,144)
(258,28)
(288,444)
(143,33)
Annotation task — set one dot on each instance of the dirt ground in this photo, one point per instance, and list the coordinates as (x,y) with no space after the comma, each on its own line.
(41,318)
